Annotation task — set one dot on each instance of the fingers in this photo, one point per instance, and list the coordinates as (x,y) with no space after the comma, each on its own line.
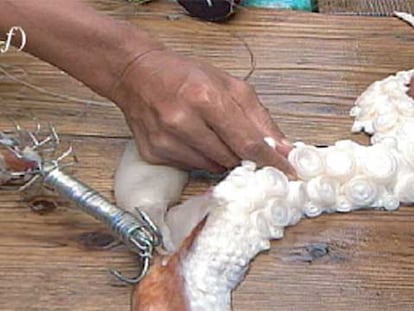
(261,118)
(265,155)
(245,138)
(158,144)
(264,123)
(172,148)
(166,149)
(201,138)
(186,127)
(196,116)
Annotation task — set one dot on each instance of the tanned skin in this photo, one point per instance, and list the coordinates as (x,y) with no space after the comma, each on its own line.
(182,112)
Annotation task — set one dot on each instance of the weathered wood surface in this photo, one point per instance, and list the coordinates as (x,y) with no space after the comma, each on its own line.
(380,7)
(309,69)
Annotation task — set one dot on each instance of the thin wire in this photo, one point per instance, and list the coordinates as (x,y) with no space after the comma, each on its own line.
(239,37)
(251,55)
(54,94)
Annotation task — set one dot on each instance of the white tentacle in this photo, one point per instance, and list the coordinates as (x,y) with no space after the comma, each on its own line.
(151,188)
(252,206)
(255,205)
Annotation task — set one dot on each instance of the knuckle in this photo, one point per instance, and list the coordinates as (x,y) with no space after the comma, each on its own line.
(148,155)
(252,150)
(199,93)
(242,87)
(175,119)
(160,143)
(266,119)
(224,157)
(230,162)
(260,113)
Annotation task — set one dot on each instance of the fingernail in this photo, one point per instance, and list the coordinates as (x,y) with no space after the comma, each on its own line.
(218,170)
(292,177)
(286,142)
(270,141)
(291,174)
(284,147)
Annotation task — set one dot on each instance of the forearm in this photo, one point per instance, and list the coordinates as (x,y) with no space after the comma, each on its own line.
(90,46)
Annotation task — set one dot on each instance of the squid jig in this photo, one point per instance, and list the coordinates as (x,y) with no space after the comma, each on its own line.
(29,157)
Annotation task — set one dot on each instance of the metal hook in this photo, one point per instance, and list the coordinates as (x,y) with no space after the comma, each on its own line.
(20,188)
(42,142)
(152,229)
(145,239)
(136,279)
(140,234)
(65,154)
(19,131)
(38,126)
(30,182)
(33,138)
(15,150)
(54,134)
(8,141)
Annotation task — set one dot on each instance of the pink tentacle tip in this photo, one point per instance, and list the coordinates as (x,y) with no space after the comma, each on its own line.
(410,91)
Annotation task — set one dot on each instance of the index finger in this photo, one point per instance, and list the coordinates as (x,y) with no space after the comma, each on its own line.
(244,138)
(262,120)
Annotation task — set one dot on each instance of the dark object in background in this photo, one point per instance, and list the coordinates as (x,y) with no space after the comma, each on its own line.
(211,10)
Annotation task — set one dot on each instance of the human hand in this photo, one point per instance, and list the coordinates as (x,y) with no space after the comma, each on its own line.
(183,112)
(191,115)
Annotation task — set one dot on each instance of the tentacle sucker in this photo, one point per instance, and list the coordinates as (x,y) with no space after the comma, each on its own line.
(254,205)
(360,191)
(340,163)
(307,161)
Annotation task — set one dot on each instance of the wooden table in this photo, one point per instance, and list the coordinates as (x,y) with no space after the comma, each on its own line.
(309,70)
(365,7)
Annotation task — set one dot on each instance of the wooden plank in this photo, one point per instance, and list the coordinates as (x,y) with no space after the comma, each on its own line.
(60,260)
(309,70)
(374,7)
(287,47)
(335,261)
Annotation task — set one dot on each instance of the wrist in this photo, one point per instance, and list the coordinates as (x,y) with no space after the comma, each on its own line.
(134,79)
(132,54)
(117,50)
(88,45)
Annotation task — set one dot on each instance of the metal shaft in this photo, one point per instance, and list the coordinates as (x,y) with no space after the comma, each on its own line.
(124,225)
(139,233)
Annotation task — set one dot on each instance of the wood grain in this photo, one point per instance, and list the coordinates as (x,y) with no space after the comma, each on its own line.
(380,7)
(309,70)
